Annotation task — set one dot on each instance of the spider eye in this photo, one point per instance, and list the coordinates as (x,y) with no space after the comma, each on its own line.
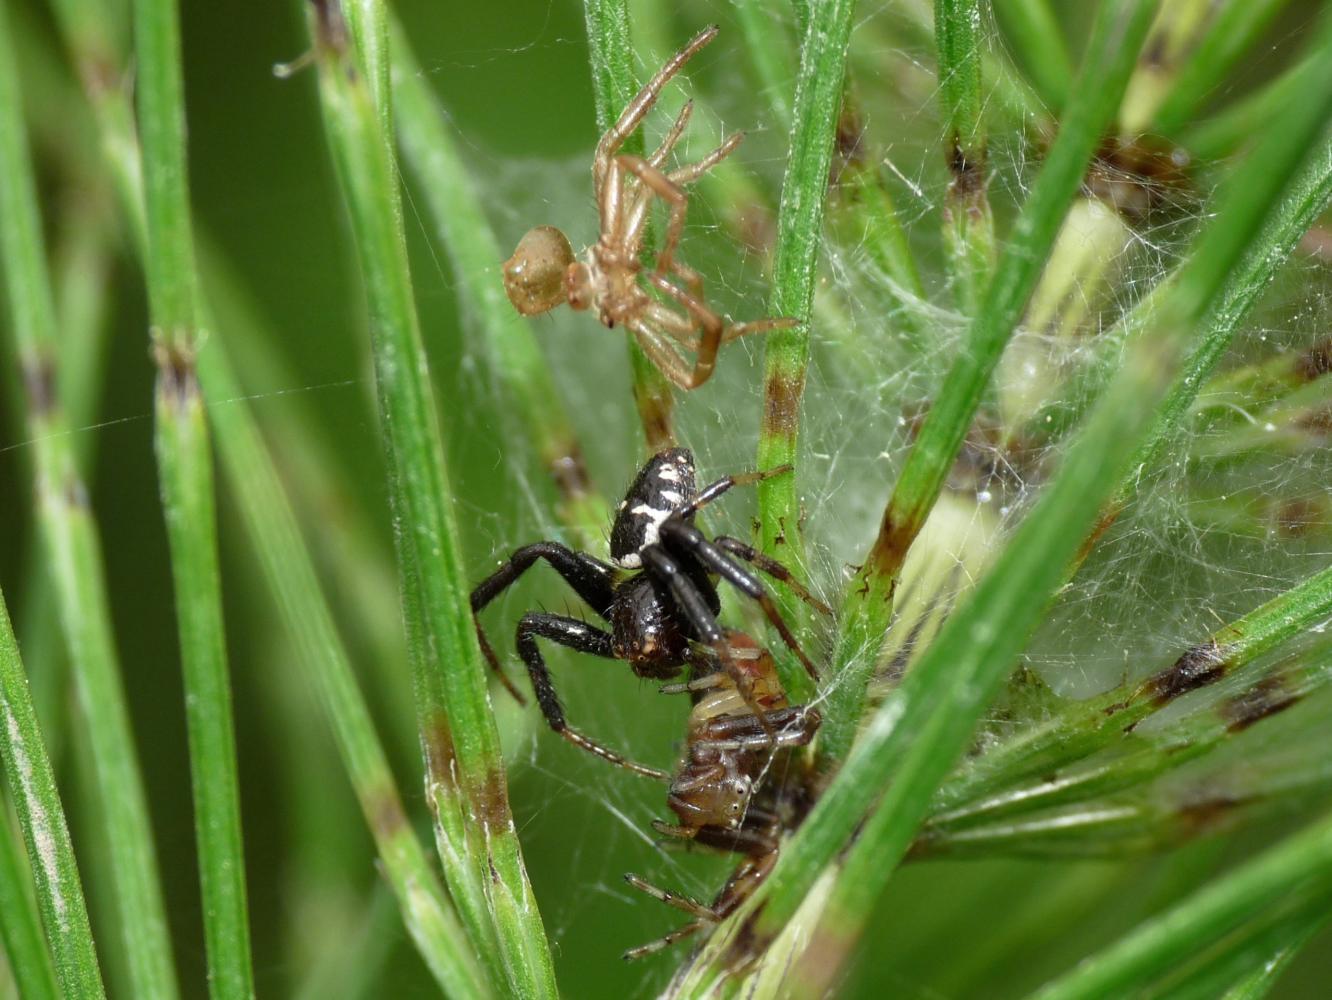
(534,275)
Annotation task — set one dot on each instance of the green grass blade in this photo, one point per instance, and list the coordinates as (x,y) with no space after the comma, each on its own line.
(1298,869)
(1236,27)
(185,467)
(614,85)
(505,337)
(73,551)
(1239,123)
(21,921)
(32,785)
(770,50)
(818,96)
(428,916)
(465,771)
(968,222)
(1044,54)
(1120,28)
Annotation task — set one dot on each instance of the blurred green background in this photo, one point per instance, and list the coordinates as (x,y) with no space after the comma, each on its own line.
(277,259)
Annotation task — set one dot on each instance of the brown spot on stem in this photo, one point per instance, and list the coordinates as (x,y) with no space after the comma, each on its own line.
(1315,362)
(437,742)
(747,944)
(1102,525)
(1207,815)
(1317,421)
(781,406)
(890,547)
(1199,666)
(76,496)
(385,814)
(38,373)
(177,378)
(656,411)
(570,472)
(1266,698)
(848,142)
(1297,517)
(491,801)
(968,170)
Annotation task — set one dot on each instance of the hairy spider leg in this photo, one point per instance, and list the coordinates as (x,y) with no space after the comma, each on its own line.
(669,187)
(700,616)
(689,538)
(584,638)
(686,904)
(772,567)
(590,578)
(673,136)
(634,111)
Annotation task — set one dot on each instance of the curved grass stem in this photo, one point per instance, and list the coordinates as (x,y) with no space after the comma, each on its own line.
(466,784)
(50,854)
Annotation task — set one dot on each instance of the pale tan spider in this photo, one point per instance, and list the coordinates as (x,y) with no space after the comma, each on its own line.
(543,273)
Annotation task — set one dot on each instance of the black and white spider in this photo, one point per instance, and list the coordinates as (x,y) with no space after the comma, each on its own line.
(668,601)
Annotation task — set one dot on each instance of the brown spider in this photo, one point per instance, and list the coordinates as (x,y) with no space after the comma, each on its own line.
(739,787)
(543,273)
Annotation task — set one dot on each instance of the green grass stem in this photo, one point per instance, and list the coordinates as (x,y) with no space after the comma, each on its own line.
(185,468)
(466,782)
(1042,50)
(1116,37)
(21,921)
(73,552)
(1234,30)
(1297,870)
(820,83)
(503,336)
(50,854)
(1238,124)
(770,50)
(968,223)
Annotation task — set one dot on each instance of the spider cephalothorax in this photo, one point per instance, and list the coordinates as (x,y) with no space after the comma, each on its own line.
(662,307)
(659,598)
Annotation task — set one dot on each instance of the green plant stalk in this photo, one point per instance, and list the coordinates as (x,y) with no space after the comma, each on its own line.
(466,783)
(427,915)
(185,467)
(818,96)
(505,337)
(1177,26)
(20,919)
(770,50)
(74,554)
(1239,123)
(1141,761)
(1044,54)
(1117,35)
(968,222)
(1287,942)
(1298,869)
(37,800)
(1236,27)
(914,738)
(610,52)
(1089,727)
(1310,194)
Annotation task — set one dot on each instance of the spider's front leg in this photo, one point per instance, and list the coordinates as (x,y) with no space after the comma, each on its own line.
(634,111)
(592,579)
(677,532)
(576,635)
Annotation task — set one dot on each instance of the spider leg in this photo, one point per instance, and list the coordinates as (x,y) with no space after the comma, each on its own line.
(592,579)
(712,491)
(793,726)
(665,941)
(685,904)
(667,360)
(658,183)
(673,136)
(576,635)
(695,608)
(676,531)
(772,567)
(641,104)
(691,172)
